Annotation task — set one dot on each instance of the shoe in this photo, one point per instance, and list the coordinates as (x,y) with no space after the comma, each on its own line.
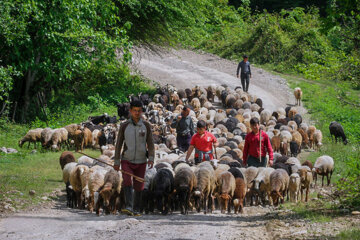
(130,212)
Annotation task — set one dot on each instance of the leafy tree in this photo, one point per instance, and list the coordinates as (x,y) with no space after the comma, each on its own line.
(50,42)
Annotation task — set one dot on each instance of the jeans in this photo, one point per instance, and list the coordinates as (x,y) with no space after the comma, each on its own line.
(183,142)
(245,80)
(254,162)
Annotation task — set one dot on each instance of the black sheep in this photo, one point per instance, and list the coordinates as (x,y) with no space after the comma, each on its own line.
(231,123)
(236,172)
(294,148)
(287,110)
(162,188)
(235,164)
(298,119)
(223,96)
(284,166)
(259,102)
(123,110)
(338,131)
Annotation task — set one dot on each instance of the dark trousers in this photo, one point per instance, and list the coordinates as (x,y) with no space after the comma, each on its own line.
(254,162)
(137,170)
(183,142)
(245,80)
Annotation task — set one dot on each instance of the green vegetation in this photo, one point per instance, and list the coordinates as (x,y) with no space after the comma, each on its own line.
(353,234)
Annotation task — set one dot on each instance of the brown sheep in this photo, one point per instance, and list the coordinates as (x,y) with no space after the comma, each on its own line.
(78,180)
(96,180)
(305,138)
(275,143)
(195,103)
(109,192)
(239,195)
(311,132)
(298,96)
(293,111)
(66,157)
(296,136)
(205,186)
(306,180)
(71,128)
(226,190)
(32,136)
(87,137)
(79,139)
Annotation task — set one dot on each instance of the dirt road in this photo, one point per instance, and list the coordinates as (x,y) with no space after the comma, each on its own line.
(183,69)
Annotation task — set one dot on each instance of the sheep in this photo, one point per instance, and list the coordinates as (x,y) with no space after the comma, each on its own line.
(298,96)
(184,182)
(294,148)
(219,116)
(275,143)
(294,187)
(279,182)
(147,195)
(205,177)
(79,180)
(66,157)
(163,187)
(311,131)
(292,112)
(284,148)
(96,180)
(195,103)
(293,125)
(250,175)
(338,131)
(32,136)
(286,167)
(226,190)
(95,140)
(285,136)
(71,128)
(85,160)
(58,137)
(262,182)
(79,140)
(324,166)
(46,136)
(318,139)
(306,180)
(70,193)
(305,137)
(265,116)
(108,193)
(87,137)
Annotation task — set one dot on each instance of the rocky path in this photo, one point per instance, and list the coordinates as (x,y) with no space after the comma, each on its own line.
(183,69)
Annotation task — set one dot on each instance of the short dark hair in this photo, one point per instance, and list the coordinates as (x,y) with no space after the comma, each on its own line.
(136,103)
(254,121)
(201,124)
(245,56)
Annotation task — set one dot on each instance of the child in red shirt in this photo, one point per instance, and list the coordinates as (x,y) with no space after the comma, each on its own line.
(203,142)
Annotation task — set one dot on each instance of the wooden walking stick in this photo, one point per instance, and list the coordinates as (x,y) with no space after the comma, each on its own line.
(139,179)
(260,144)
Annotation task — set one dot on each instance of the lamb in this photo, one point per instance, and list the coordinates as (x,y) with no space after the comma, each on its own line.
(306,180)
(66,157)
(96,180)
(250,175)
(184,182)
(226,190)
(298,96)
(338,131)
(318,139)
(294,187)
(262,182)
(70,193)
(239,195)
(163,187)
(205,177)
(279,182)
(324,166)
(147,195)
(108,193)
(32,136)
(79,180)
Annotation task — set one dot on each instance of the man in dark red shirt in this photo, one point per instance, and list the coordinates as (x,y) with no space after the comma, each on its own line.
(251,150)
(203,142)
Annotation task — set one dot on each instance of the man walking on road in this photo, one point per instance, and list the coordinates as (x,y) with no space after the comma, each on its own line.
(184,129)
(136,136)
(245,74)
(252,147)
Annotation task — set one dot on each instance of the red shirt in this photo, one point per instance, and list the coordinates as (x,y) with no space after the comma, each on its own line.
(203,142)
(252,146)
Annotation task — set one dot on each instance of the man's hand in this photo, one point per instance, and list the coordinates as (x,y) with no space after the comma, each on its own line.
(179,117)
(237,75)
(116,167)
(150,164)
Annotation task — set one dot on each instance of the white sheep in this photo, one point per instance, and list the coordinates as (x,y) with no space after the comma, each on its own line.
(324,166)
(294,187)
(32,136)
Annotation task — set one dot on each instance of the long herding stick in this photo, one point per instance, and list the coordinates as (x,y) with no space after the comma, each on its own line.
(139,179)
(260,144)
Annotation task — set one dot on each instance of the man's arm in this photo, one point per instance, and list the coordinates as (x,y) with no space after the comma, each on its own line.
(245,152)
(192,131)
(174,122)
(118,146)
(249,70)
(150,146)
(238,68)
(270,150)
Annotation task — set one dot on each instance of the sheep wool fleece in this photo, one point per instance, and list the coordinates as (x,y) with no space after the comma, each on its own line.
(136,140)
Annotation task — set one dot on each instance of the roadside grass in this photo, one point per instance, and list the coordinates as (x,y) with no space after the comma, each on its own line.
(353,234)
(24,171)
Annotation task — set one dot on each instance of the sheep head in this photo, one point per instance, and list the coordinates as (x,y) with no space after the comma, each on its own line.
(106,194)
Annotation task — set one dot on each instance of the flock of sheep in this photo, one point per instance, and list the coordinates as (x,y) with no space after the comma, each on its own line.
(172,183)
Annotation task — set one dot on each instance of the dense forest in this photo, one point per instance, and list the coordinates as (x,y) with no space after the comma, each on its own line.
(58,54)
